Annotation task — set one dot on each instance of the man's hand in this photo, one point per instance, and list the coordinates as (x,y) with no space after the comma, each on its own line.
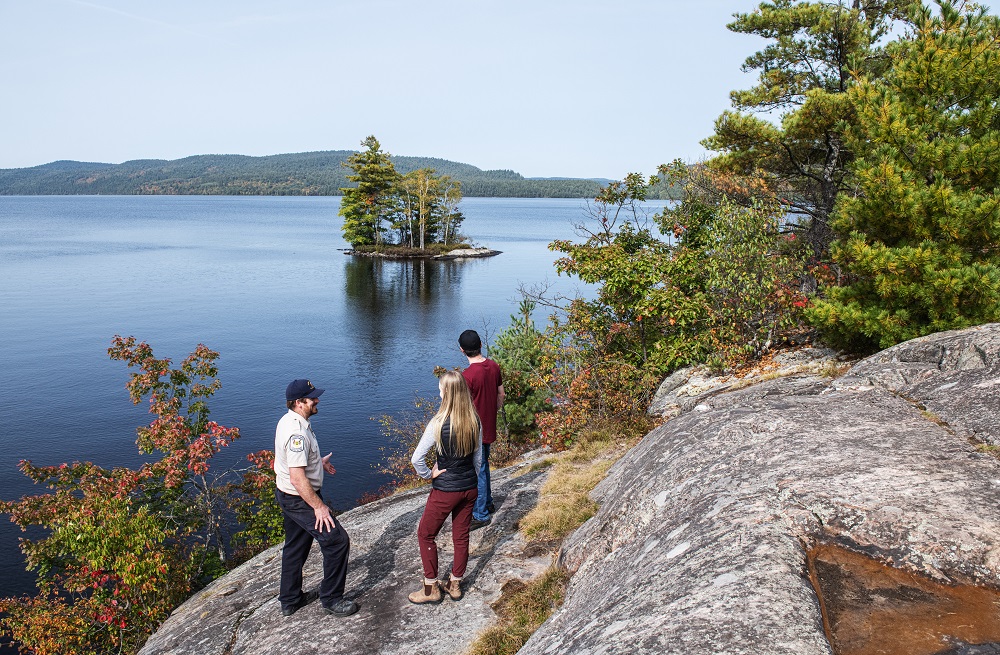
(327,466)
(323,518)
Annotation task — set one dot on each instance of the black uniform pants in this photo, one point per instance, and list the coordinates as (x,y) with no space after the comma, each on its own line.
(300,531)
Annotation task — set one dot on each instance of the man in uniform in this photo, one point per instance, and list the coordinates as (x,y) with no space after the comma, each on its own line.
(486,385)
(298,470)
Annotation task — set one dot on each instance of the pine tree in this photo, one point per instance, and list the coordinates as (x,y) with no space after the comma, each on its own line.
(919,241)
(803,75)
(367,206)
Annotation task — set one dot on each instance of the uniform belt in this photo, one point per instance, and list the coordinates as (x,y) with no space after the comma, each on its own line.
(315,490)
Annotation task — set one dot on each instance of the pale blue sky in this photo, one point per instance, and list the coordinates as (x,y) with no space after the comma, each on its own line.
(547,88)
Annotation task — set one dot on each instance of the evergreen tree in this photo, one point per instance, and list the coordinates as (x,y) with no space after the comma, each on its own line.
(519,350)
(805,70)
(367,206)
(919,241)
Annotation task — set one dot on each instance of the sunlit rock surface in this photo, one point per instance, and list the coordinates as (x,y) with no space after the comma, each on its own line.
(239,614)
(466,253)
(700,544)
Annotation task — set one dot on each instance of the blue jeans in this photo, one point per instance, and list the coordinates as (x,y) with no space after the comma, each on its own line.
(485,496)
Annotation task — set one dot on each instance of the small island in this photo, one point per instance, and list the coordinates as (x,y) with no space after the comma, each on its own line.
(411,216)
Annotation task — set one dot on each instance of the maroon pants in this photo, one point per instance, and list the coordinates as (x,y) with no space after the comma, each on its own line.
(439,505)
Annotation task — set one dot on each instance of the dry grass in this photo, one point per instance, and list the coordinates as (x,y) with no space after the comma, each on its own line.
(588,450)
(556,516)
(522,608)
(542,464)
(537,465)
(564,503)
(933,418)
(563,506)
(835,370)
(937,420)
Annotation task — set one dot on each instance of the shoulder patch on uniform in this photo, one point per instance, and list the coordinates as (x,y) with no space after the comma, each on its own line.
(296,444)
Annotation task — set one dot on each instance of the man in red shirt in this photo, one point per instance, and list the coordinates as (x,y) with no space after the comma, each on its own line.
(486,384)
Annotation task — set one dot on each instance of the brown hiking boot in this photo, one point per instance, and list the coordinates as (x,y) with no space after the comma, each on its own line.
(429,593)
(453,588)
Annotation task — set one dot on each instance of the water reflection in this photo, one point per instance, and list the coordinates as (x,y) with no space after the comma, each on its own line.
(376,285)
(395,302)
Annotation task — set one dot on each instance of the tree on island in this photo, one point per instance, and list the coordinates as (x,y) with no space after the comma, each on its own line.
(451,218)
(429,208)
(367,206)
(418,208)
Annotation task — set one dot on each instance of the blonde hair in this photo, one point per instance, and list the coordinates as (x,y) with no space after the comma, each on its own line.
(456,404)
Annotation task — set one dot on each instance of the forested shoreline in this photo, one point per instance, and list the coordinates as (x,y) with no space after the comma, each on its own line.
(296,174)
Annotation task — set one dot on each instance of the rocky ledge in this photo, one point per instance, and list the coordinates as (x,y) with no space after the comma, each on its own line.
(409,253)
(239,614)
(715,532)
(788,513)
(469,253)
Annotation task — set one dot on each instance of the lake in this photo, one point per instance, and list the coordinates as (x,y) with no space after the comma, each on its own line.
(261,280)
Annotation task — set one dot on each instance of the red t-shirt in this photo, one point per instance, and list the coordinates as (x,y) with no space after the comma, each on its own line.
(484,380)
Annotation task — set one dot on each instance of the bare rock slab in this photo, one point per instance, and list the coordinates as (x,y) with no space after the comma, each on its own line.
(239,614)
(700,543)
(469,253)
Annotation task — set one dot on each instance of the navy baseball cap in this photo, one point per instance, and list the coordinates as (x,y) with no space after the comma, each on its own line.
(302,389)
(469,340)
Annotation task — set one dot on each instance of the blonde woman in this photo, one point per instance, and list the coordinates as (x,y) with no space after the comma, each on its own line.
(457,437)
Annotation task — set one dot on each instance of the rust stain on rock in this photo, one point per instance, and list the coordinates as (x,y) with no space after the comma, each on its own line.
(870,608)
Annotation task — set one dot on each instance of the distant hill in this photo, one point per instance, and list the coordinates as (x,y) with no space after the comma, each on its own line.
(297,174)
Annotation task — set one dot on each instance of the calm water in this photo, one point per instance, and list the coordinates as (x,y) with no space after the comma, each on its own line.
(261,280)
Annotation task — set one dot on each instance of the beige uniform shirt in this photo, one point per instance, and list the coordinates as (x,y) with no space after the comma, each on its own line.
(295,445)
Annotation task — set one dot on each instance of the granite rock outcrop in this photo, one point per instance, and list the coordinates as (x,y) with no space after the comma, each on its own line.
(705,536)
(700,545)
(239,614)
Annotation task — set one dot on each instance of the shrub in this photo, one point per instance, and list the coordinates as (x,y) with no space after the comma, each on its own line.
(122,547)
(519,350)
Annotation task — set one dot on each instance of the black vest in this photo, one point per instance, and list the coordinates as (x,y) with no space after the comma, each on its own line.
(461,473)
